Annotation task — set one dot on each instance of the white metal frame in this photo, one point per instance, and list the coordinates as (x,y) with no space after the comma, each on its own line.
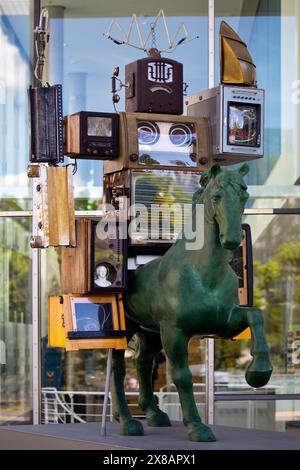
(209,347)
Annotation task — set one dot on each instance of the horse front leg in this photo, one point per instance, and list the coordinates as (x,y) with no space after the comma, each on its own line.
(260,369)
(175,344)
(148,346)
(129,426)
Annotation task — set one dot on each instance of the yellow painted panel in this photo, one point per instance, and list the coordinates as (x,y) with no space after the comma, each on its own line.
(56,326)
(103,343)
(246,334)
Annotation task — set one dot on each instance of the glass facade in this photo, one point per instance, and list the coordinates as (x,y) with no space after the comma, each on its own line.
(15,321)
(82,59)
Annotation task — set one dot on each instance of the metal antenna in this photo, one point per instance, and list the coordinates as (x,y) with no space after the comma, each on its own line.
(41,35)
(150,39)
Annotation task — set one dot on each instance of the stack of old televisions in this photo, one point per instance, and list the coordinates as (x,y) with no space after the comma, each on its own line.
(154,155)
(148,158)
(89,314)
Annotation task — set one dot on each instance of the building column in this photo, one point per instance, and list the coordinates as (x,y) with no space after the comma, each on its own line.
(54,67)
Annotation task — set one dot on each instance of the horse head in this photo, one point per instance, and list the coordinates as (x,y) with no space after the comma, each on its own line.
(224,195)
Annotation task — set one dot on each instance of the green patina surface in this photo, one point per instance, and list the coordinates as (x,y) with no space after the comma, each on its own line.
(187,293)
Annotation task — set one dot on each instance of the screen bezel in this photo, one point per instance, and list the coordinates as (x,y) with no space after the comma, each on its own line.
(177,152)
(129,127)
(258,111)
(239,95)
(87,140)
(84,115)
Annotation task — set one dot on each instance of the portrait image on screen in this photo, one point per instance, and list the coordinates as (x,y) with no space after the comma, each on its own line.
(243,125)
(88,316)
(99,126)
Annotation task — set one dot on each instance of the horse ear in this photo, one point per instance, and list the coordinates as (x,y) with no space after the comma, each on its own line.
(244,170)
(215,170)
(205,177)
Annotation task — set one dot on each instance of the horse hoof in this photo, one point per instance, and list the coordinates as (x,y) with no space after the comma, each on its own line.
(201,433)
(132,427)
(158,419)
(257,379)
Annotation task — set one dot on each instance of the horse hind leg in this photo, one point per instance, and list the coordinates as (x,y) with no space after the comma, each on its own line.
(260,369)
(175,343)
(128,425)
(148,346)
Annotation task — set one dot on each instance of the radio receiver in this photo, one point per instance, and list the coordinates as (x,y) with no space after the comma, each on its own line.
(154,85)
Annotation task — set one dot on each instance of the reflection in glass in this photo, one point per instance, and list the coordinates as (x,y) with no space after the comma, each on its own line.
(163,188)
(276,253)
(99,126)
(88,316)
(243,125)
(167,143)
(15,322)
(268,415)
(14,137)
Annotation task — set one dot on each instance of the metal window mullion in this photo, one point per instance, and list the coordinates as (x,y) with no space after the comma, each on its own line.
(36,335)
(209,343)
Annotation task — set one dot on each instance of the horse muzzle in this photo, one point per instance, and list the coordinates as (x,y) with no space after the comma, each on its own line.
(230,244)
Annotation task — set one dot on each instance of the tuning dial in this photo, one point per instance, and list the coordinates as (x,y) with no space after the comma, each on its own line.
(193,157)
(133,157)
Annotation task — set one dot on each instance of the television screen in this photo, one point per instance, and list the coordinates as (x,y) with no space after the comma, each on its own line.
(237,262)
(167,143)
(99,126)
(88,316)
(243,125)
(162,188)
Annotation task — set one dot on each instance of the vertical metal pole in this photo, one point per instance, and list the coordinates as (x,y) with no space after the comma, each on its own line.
(36,273)
(209,346)
(211,43)
(36,327)
(107,384)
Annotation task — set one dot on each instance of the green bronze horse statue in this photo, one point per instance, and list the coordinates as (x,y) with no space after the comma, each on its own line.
(186,293)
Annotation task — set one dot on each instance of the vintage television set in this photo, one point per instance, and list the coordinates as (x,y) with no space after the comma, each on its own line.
(92,135)
(237,121)
(147,187)
(98,263)
(158,141)
(86,322)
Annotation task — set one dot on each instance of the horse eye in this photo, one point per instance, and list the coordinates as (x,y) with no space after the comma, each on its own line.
(216,197)
(244,195)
